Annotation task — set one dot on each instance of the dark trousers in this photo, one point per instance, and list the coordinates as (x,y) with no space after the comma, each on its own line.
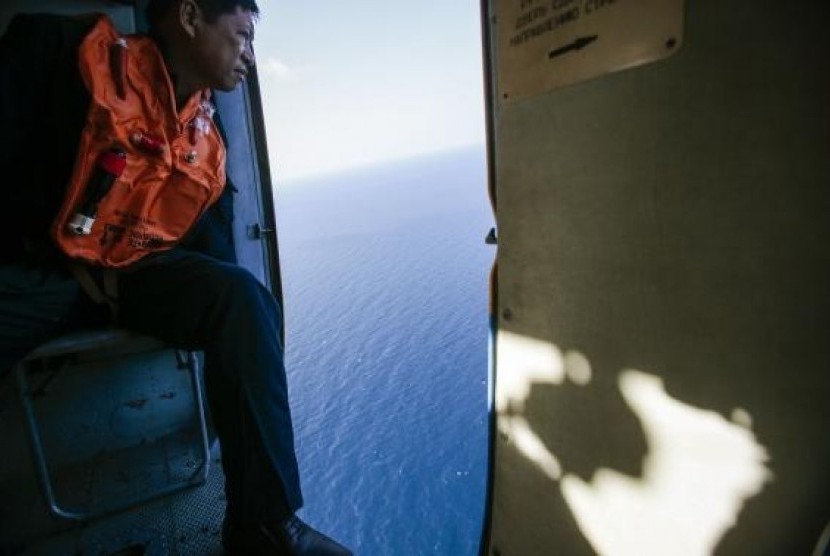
(195,302)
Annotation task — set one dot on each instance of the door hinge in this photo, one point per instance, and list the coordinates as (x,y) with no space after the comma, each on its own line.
(491,238)
(255,231)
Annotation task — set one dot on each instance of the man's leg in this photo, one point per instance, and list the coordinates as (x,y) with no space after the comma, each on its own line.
(193,301)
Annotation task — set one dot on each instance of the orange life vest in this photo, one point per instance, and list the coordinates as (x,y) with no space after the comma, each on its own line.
(169,165)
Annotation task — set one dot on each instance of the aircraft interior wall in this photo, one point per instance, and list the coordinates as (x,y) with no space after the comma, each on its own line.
(662,353)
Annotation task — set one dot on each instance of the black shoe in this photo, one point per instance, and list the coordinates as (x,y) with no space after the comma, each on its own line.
(292,537)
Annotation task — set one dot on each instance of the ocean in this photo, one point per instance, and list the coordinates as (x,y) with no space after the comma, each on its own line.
(385,283)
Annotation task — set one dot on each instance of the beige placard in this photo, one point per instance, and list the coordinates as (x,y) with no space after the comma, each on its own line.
(545,44)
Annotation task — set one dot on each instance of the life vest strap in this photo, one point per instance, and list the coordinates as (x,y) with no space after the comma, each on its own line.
(107,295)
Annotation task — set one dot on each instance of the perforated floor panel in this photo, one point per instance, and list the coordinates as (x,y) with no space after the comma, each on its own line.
(184,524)
(106,443)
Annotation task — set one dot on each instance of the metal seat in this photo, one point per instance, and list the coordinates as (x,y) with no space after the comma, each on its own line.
(116,341)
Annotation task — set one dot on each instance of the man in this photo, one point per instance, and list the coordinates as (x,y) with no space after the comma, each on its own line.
(192,295)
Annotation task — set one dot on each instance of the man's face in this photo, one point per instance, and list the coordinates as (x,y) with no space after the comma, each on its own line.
(223,51)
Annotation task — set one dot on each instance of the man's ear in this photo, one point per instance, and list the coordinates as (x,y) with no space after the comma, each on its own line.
(190,17)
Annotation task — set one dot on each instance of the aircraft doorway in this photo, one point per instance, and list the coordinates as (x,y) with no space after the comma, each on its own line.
(376,142)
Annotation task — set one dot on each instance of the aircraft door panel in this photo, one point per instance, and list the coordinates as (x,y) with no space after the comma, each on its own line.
(663,308)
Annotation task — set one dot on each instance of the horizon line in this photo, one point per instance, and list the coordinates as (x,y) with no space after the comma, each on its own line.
(295,179)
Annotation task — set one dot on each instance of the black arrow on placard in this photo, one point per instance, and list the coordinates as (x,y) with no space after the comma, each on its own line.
(578,44)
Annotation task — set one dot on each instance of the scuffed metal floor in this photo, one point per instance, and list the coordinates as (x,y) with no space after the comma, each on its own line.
(184,524)
(111,429)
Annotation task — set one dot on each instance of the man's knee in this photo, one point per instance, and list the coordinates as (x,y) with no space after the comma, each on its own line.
(187,299)
(242,288)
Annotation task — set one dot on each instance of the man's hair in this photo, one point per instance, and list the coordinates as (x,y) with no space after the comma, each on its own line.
(157,9)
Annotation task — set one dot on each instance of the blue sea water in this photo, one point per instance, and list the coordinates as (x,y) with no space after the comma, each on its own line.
(385,276)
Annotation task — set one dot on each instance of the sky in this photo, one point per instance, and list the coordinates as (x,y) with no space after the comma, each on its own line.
(356,83)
